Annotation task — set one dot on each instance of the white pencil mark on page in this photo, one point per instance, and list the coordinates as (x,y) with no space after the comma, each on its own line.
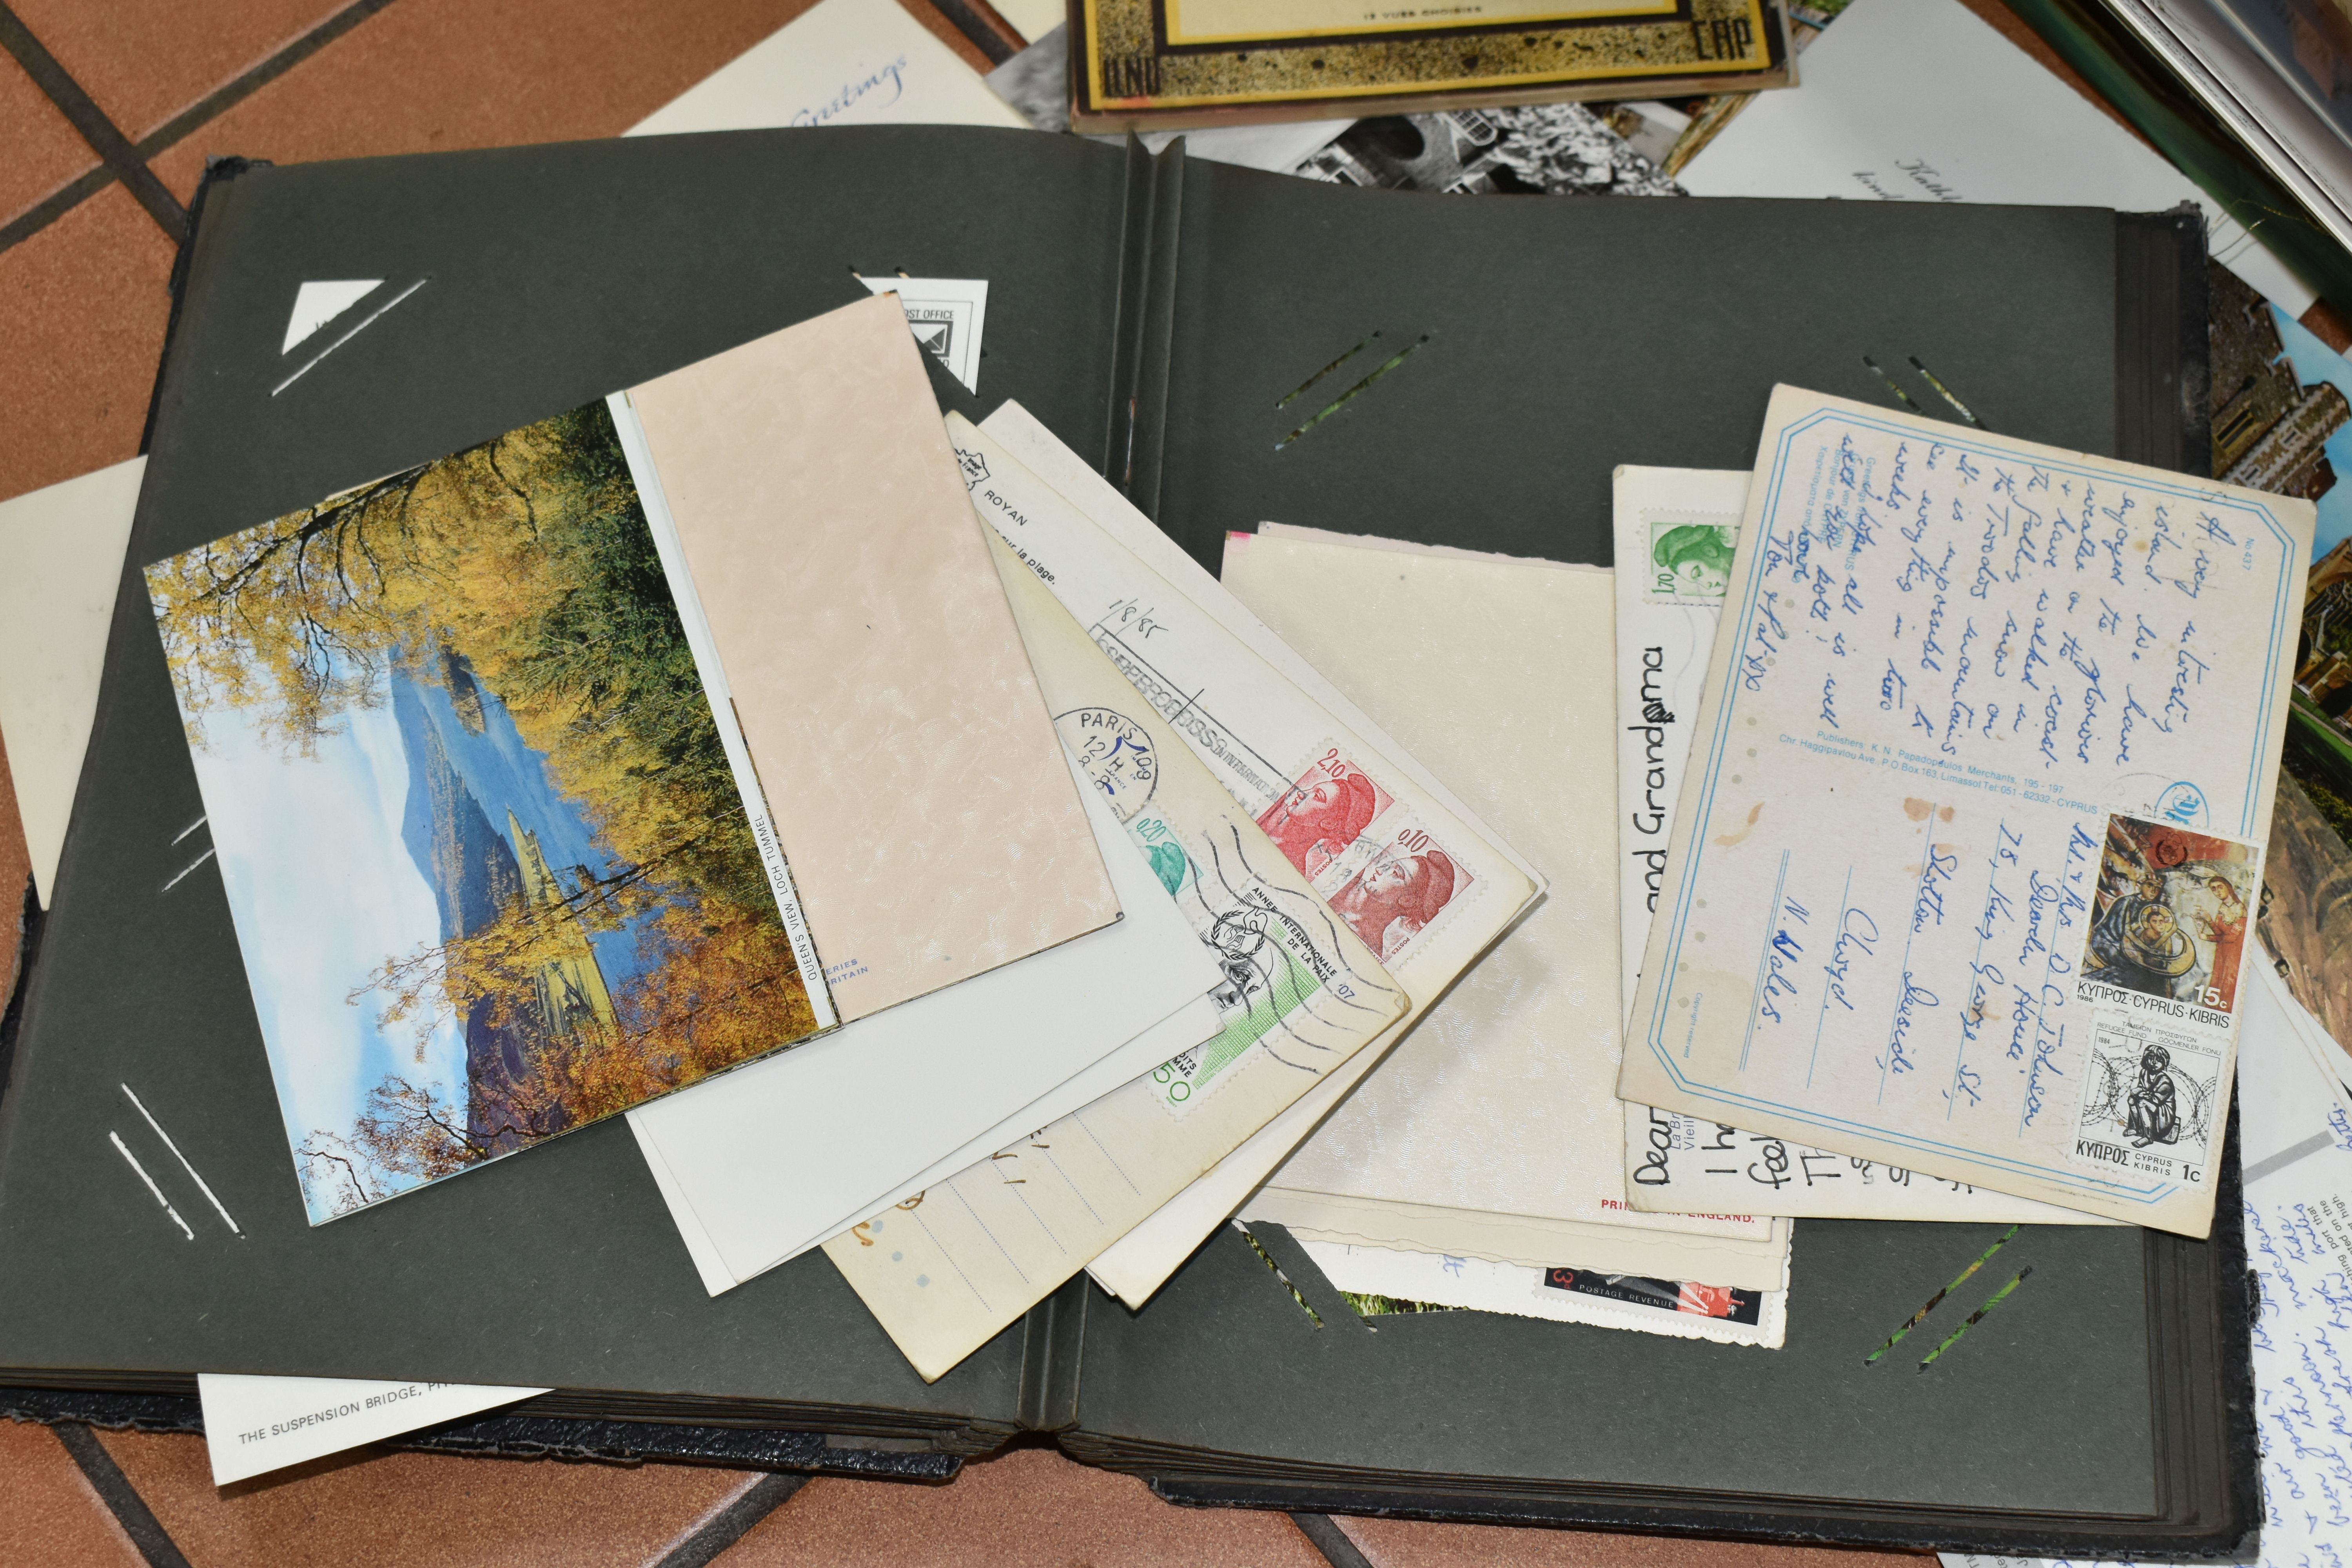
(201,1186)
(116,1139)
(190,866)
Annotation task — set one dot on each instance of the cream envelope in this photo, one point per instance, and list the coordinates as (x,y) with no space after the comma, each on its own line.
(762,1164)
(923,803)
(1491,1130)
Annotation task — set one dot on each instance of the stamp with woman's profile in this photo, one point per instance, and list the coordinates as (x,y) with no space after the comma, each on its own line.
(1317,822)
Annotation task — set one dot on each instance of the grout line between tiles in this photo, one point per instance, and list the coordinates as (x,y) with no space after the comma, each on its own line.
(131,167)
(226,96)
(104,138)
(122,1498)
(1328,1539)
(55,205)
(733,1521)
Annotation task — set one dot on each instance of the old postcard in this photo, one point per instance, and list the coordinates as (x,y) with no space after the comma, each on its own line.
(492,871)
(1518,1061)
(1425,882)
(1677,531)
(1985,752)
(947,1269)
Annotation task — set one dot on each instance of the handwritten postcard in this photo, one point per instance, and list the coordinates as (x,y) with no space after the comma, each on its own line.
(950,1267)
(1986,747)
(1677,529)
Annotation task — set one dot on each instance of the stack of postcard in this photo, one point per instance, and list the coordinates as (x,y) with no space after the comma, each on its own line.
(599,758)
(944,871)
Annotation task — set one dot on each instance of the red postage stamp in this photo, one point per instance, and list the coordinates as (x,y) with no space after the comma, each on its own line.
(1400,893)
(1318,820)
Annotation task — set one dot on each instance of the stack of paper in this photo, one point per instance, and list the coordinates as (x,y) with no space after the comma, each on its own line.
(1298,892)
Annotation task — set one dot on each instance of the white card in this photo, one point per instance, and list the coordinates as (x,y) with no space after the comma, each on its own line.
(255,1425)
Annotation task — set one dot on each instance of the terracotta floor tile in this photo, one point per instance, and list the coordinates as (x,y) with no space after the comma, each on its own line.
(1028,1507)
(406,1510)
(432,75)
(51,1514)
(1414,1543)
(83,304)
(145,60)
(44,149)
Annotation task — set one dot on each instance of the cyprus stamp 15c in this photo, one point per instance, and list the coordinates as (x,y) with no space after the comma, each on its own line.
(2162,967)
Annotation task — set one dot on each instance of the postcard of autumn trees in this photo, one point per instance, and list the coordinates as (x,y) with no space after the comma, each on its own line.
(492,875)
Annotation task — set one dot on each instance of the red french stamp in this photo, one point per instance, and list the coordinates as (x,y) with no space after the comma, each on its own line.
(1400,893)
(1318,819)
